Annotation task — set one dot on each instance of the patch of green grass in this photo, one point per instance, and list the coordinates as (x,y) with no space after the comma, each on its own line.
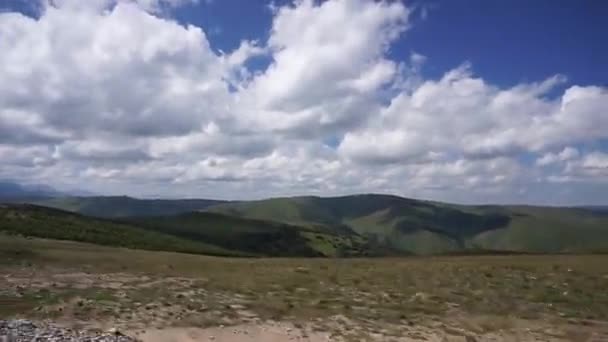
(29,220)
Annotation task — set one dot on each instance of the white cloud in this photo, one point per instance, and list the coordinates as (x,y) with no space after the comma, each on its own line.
(568,153)
(121,71)
(596,161)
(152,6)
(116,97)
(322,77)
(462,115)
(159,6)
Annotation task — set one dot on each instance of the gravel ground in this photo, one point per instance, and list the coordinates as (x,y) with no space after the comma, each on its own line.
(27,331)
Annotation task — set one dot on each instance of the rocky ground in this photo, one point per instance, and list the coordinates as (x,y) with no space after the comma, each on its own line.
(21,330)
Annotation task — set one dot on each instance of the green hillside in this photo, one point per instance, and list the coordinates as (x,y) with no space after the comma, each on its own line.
(358,225)
(123,206)
(259,237)
(31,220)
(423,227)
(549,230)
(195,232)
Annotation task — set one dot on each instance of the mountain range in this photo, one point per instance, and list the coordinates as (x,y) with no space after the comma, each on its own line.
(356,225)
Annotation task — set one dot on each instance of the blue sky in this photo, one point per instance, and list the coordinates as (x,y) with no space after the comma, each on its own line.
(508,42)
(466,101)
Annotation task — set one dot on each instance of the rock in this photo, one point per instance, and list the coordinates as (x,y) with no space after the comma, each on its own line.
(24,330)
(114,331)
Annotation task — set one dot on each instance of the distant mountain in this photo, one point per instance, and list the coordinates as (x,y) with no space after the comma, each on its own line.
(15,191)
(123,206)
(259,237)
(602,209)
(98,206)
(422,227)
(357,225)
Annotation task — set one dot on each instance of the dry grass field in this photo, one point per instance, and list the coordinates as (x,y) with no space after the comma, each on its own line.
(448,298)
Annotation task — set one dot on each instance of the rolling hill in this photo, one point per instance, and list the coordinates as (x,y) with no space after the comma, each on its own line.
(357,225)
(43,222)
(195,232)
(15,191)
(423,227)
(124,206)
(261,237)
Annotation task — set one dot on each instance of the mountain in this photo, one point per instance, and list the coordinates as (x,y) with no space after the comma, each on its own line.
(196,232)
(123,206)
(16,191)
(31,220)
(357,225)
(423,227)
(261,237)
(600,209)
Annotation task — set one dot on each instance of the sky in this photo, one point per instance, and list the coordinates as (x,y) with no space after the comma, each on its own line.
(467,101)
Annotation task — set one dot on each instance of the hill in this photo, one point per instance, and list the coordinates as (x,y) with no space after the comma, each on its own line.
(195,232)
(16,191)
(124,206)
(357,225)
(31,220)
(260,237)
(423,227)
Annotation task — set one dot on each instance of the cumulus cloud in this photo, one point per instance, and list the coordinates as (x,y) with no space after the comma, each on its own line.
(121,71)
(323,77)
(463,115)
(116,97)
(568,153)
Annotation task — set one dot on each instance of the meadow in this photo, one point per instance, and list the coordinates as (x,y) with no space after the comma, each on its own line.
(451,298)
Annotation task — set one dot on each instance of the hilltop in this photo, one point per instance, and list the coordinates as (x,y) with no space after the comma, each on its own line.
(424,227)
(356,225)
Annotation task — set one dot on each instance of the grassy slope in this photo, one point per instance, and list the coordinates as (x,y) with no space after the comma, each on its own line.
(363,224)
(122,206)
(426,227)
(549,230)
(398,223)
(296,210)
(30,220)
(256,236)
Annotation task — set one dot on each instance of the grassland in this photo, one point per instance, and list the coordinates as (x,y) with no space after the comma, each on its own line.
(35,221)
(533,298)
(257,237)
(357,225)
(422,227)
(197,232)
